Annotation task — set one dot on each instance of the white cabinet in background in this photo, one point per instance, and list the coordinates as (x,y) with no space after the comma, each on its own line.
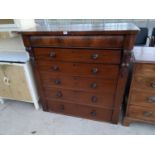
(16,82)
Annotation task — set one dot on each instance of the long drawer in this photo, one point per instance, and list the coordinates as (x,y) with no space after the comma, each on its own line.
(78,69)
(79,83)
(144,83)
(80,110)
(78,41)
(146,114)
(143,98)
(80,97)
(146,70)
(78,55)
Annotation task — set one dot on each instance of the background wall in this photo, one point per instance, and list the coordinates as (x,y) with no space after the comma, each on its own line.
(8,25)
(6,21)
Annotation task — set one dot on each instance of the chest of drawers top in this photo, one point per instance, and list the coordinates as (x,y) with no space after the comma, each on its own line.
(116,35)
(82,29)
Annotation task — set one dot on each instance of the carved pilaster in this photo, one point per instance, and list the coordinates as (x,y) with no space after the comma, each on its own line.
(29,50)
(127,58)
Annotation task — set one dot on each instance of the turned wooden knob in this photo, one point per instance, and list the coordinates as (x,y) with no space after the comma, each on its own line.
(93,113)
(94,70)
(147,113)
(94,99)
(93,85)
(52,54)
(151,99)
(57,81)
(55,68)
(153,84)
(94,56)
(59,94)
(62,107)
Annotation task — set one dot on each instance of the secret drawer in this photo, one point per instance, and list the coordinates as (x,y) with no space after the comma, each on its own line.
(79,110)
(143,98)
(80,97)
(78,69)
(145,114)
(144,83)
(78,41)
(79,83)
(78,55)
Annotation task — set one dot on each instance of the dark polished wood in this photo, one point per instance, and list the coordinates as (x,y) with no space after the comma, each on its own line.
(81,69)
(78,41)
(79,83)
(84,98)
(141,102)
(85,111)
(76,55)
(78,69)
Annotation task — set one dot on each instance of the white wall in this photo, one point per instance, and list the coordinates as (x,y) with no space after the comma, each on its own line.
(5,30)
(24,23)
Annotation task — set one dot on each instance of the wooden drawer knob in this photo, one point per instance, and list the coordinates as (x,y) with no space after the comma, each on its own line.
(52,54)
(93,85)
(147,113)
(62,107)
(94,56)
(55,68)
(151,99)
(153,84)
(57,81)
(93,113)
(58,94)
(94,70)
(94,99)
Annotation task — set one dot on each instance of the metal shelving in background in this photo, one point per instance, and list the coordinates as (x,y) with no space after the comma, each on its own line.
(150,23)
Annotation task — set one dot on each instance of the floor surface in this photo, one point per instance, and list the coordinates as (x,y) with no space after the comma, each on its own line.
(19,118)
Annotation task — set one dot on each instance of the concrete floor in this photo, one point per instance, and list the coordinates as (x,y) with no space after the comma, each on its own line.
(19,118)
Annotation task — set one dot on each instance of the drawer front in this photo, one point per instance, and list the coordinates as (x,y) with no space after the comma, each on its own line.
(80,97)
(78,55)
(144,83)
(79,83)
(146,70)
(78,41)
(80,110)
(146,114)
(77,69)
(143,98)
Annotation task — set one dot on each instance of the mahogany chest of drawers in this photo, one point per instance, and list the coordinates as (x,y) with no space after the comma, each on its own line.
(141,102)
(81,70)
